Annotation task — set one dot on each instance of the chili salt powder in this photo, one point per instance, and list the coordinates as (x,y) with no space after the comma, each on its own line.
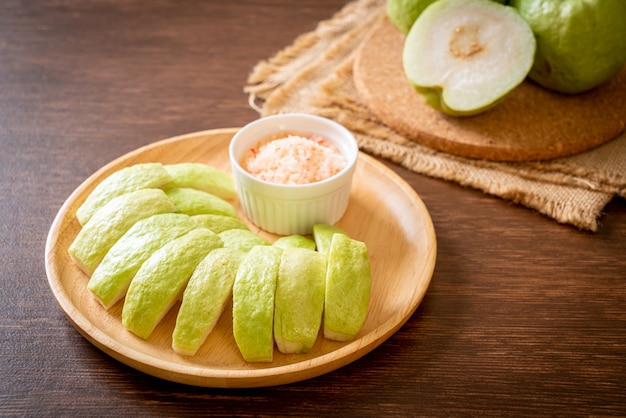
(294,160)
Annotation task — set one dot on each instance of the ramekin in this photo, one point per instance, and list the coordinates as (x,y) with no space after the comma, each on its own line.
(293,209)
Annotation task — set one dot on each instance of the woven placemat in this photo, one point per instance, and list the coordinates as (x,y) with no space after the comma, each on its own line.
(314,75)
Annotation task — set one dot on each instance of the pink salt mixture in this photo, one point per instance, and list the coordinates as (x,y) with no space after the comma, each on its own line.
(294,159)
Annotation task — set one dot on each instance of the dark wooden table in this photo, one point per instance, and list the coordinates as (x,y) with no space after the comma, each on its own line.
(523,317)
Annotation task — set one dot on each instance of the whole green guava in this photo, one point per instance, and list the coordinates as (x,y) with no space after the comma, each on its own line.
(403,13)
(580,43)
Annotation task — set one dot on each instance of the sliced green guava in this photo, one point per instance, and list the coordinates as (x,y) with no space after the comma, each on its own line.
(323,235)
(253,303)
(207,293)
(162,278)
(298,241)
(111,221)
(196,202)
(299,300)
(218,223)
(348,287)
(128,179)
(242,239)
(465,56)
(202,177)
(580,44)
(110,280)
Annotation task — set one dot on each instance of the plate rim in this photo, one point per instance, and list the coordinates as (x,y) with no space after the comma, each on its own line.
(217,377)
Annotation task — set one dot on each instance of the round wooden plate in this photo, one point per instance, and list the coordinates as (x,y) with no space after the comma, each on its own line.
(384,212)
(531,123)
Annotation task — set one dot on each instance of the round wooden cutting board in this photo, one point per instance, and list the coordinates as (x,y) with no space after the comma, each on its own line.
(531,123)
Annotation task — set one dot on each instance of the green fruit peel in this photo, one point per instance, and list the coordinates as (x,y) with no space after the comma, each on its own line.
(299,299)
(111,221)
(204,299)
(323,236)
(128,179)
(162,278)
(197,202)
(110,280)
(201,177)
(580,44)
(348,287)
(297,241)
(242,239)
(218,223)
(253,303)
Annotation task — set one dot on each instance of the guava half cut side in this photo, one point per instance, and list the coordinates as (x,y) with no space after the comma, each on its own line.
(464,56)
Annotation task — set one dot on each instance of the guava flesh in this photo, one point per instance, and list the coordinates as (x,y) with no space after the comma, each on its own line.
(128,179)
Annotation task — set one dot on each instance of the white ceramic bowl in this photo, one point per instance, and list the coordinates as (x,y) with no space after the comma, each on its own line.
(293,209)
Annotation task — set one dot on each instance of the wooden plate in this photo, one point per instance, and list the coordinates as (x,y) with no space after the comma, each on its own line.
(384,212)
(531,123)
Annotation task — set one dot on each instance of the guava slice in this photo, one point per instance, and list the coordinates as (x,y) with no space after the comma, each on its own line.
(242,239)
(348,287)
(208,291)
(299,301)
(128,179)
(253,303)
(110,280)
(162,278)
(111,221)
(218,223)
(298,241)
(202,177)
(196,202)
(464,56)
(580,44)
(323,235)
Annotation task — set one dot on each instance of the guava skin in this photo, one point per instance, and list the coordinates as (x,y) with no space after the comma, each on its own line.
(433,97)
(581,44)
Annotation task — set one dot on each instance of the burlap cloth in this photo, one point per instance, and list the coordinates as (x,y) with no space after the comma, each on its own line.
(314,75)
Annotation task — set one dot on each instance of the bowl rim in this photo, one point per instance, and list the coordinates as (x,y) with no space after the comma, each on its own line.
(348,169)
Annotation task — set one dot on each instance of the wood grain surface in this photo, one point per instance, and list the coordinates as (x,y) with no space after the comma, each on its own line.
(523,316)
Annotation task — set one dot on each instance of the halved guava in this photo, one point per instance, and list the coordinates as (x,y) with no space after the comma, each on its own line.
(464,56)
